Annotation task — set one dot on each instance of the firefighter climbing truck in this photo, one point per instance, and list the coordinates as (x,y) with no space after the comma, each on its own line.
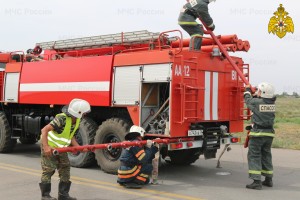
(148,79)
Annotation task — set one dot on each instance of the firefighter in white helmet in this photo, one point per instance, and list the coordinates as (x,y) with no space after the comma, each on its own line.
(192,10)
(136,162)
(60,133)
(261,134)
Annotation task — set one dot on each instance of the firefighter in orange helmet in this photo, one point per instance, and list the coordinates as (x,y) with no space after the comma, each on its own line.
(136,162)
(60,133)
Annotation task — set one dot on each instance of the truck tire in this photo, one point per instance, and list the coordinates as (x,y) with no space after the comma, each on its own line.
(84,136)
(6,143)
(183,157)
(111,131)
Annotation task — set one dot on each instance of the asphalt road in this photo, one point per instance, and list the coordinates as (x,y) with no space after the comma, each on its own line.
(20,174)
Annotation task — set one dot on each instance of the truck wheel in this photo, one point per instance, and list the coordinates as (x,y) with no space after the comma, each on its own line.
(111,131)
(84,136)
(6,143)
(183,157)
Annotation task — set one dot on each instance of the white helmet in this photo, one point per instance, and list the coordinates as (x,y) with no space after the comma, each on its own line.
(137,129)
(134,132)
(78,107)
(267,90)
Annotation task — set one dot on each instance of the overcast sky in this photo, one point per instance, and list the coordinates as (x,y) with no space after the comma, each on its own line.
(24,23)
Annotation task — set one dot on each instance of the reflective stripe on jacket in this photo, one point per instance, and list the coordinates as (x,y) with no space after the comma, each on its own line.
(63,139)
(261,134)
(199,9)
(263,115)
(135,161)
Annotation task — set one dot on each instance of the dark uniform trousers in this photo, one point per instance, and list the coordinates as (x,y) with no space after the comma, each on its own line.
(260,157)
(187,20)
(136,165)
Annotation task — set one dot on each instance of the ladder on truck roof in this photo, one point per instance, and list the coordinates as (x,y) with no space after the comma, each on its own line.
(136,37)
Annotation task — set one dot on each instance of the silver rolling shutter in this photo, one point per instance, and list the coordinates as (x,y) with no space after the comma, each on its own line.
(157,73)
(11,87)
(127,82)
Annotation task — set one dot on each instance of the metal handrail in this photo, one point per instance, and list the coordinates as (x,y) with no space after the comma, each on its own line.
(181,38)
(16,52)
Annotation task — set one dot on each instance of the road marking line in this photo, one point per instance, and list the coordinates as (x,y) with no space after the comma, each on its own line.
(121,189)
(55,175)
(90,182)
(16,170)
(172,195)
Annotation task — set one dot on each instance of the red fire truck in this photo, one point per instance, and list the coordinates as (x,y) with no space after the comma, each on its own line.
(148,79)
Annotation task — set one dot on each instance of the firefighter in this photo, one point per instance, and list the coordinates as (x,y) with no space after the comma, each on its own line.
(60,133)
(261,135)
(136,162)
(187,20)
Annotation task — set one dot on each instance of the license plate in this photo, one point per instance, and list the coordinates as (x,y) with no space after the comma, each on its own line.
(195,133)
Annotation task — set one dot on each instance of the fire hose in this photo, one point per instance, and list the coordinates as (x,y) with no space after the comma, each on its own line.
(225,53)
(110,146)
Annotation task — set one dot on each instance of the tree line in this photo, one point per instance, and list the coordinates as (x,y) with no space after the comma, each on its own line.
(285,94)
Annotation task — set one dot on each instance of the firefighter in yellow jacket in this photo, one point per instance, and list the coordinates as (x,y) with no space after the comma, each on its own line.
(60,133)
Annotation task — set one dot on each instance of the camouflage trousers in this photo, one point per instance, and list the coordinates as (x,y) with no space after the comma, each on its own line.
(60,163)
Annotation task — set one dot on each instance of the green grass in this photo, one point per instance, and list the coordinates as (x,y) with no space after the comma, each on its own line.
(295,120)
(287,124)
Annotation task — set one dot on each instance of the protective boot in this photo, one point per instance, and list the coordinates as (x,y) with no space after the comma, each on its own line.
(45,190)
(132,186)
(268,182)
(256,185)
(63,191)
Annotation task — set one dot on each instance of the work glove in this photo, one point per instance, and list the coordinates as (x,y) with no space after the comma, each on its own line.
(212,28)
(248,88)
(149,143)
(248,128)
(155,143)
